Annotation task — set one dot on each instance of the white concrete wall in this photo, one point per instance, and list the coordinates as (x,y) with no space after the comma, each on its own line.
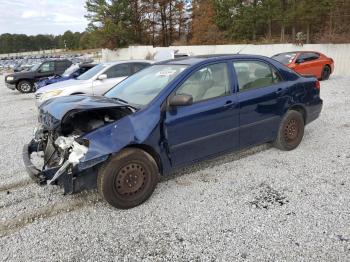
(339,52)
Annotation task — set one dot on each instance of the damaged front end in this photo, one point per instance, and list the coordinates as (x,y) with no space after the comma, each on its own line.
(61,166)
(56,154)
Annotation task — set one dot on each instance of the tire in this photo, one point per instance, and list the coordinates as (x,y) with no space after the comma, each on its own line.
(290,132)
(128,179)
(326,72)
(25,87)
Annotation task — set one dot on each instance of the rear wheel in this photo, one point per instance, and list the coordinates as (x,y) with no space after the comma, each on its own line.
(326,72)
(25,87)
(291,131)
(128,179)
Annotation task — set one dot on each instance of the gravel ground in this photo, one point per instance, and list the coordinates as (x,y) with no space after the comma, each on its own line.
(261,204)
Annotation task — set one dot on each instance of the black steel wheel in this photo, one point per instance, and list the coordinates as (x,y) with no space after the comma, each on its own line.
(326,72)
(25,87)
(291,131)
(128,179)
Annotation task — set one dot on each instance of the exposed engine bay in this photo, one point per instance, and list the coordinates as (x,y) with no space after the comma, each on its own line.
(63,147)
(80,122)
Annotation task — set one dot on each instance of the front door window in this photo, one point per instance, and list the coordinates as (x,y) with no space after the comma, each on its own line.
(207,83)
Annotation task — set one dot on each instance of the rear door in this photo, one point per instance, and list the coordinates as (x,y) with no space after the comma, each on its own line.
(115,74)
(261,101)
(61,66)
(210,125)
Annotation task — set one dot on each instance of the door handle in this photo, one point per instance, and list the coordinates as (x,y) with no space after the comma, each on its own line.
(279,90)
(228,103)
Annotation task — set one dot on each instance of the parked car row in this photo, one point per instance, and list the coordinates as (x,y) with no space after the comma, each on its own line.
(21,63)
(126,131)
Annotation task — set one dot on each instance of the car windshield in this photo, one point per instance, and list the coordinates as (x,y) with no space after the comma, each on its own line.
(70,70)
(142,87)
(92,72)
(285,58)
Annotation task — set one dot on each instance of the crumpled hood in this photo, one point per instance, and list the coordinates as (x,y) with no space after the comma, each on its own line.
(52,111)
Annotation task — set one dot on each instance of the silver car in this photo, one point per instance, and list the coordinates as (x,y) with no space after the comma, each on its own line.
(96,81)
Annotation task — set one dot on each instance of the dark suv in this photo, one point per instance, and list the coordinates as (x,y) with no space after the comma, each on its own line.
(24,81)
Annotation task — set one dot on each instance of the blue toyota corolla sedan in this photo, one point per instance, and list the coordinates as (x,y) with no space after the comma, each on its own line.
(167,116)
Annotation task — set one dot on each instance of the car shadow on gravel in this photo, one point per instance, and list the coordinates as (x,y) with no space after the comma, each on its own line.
(214,162)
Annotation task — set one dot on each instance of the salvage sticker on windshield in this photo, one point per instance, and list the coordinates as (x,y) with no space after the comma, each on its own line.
(166,73)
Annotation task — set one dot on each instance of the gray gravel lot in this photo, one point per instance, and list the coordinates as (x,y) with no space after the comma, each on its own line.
(261,204)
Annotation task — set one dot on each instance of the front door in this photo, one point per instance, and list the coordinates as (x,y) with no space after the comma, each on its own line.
(208,126)
(46,69)
(309,64)
(261,101)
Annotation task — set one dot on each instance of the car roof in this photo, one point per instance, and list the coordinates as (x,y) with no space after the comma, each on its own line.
(53,59)
(202,58)
(87,65)
(127,61)
(296,52)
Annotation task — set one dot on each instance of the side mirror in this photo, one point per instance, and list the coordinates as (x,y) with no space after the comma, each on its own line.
(75,75)
(299,61)
(181,100)
(102,77)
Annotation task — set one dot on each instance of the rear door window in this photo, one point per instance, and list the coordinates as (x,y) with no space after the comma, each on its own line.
(62,65)
(255,74)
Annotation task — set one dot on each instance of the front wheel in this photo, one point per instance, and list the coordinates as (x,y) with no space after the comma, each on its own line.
(25,87)
(291,131)
(128,179)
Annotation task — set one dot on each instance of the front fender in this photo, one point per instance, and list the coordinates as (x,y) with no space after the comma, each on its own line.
(111,138)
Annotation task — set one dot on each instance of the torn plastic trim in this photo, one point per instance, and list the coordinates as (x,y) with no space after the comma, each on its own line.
(39,176)
(76,152)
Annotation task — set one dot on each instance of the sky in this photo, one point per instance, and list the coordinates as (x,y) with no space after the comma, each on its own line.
(33,17)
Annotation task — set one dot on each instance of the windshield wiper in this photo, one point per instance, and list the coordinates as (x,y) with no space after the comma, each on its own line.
(120,100)
(124,102)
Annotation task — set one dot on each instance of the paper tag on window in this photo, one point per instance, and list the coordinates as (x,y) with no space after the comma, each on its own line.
(166,73)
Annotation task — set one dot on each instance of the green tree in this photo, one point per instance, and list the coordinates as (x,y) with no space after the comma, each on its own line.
(113,21)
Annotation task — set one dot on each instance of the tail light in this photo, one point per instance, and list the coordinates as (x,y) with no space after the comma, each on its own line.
(318,85)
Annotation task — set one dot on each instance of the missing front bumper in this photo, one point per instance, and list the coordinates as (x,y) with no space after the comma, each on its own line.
(39,176)
(72,181)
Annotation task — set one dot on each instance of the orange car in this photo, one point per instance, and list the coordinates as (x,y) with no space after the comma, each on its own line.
(307,63)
